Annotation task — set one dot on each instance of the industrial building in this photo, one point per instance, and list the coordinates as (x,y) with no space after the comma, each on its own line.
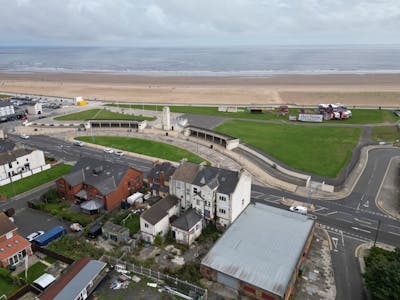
(260,254)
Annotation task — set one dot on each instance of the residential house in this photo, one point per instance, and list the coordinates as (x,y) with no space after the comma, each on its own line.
(187,228)
(20,163)
(13,247)
(78,282)
(6,109)
(104,183)
(216,194)
(260,254)
(34,108)
(115,232)
(158,178)
(156,220)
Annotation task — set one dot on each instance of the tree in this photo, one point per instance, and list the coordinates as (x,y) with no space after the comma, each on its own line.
(382,274)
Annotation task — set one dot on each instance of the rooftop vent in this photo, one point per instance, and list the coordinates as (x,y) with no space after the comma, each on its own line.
(9,245)
(2,250)
(16,242)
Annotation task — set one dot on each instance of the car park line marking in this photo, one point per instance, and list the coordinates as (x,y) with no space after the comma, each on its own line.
(394,233)
(397,227)
(343,220)
(341,234)
(320,208)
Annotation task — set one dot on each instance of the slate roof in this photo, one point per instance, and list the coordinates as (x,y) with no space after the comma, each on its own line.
(262,247)
(224,180)
(76,278)
(165,167)
(189,219)
(5,103)
(6,157)
(160,209)
(5,224)
(186,172)
(103,175)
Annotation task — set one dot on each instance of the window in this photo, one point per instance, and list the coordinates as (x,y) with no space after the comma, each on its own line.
(242,202)
(10,165)
(222,211)
(146,225)
(129,184)
(222,198)
(195,190)
(114,237)
(197,202)
(137,179)
(197,226)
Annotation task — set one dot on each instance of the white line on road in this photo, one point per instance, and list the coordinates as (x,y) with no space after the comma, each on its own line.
(362,221)
(331,213)
(320,208)
(359,229)
(397,227)
(394,233)
(341,234)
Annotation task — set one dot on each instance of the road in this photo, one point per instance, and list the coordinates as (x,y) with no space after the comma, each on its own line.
(350,221)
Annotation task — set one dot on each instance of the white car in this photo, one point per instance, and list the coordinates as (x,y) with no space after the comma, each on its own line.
(34,235)
(24,136)
(119,153)
(299,209)
(78,143)
(108,150)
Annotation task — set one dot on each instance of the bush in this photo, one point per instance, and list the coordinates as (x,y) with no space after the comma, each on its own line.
(158,240)
(50,196)
(382,274)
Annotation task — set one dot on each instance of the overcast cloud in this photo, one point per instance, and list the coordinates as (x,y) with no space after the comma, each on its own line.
(198,22)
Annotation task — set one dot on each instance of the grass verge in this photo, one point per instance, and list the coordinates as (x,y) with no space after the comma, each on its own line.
(320,150)
(8,284)
(145,147)
(100,114)
(386,134)
(28,183)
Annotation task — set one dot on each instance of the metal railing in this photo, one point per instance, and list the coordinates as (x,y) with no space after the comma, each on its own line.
(185,287)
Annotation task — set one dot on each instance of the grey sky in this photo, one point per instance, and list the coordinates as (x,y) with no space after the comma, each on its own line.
(198,22)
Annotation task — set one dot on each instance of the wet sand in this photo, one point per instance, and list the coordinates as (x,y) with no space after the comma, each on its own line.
(349,89)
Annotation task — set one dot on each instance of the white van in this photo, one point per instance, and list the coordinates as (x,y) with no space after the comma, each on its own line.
(299,209)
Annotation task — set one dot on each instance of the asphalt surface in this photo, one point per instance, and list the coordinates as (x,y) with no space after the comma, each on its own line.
(355,218)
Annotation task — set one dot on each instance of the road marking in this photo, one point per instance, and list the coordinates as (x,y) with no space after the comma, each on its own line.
(359,229)
(362,221)
(343,220)
(335,242)
(341,233)
(394,226)
(394,233)
(331,213)
(320,208)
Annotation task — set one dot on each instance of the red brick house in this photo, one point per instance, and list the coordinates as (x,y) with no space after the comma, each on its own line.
(97,184)
(13,247)
(158,178)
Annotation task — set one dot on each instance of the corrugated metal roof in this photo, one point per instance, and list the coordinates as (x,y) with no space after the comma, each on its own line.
(81,280)
(262,247)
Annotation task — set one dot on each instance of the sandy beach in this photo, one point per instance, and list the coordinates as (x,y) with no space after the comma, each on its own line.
(349,89)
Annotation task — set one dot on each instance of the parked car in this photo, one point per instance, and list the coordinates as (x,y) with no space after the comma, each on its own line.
(299,209)
(108,150)
(78,143)
(34,235)
(119,153)
(24,136)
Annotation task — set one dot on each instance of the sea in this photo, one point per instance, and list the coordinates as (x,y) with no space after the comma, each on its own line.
(203,61)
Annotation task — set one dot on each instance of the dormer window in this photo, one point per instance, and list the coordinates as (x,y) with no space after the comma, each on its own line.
(9,235)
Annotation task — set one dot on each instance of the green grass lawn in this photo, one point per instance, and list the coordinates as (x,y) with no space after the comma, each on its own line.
(360,116)
(133,223)
(319,150)
(34,272)
(369,116)
(35,180)
(145,147)
(50,260)
(3,96)
(100,114)
(386,134)
(211,111)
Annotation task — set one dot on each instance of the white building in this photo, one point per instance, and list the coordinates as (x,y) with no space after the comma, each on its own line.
(34,108)
(216,194)
(156,220)
(6,109)
(188,227)
(20,163)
